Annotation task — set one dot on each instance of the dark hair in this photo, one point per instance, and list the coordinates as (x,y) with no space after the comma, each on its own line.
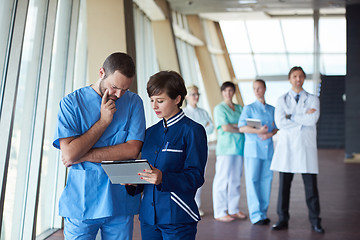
(296,68)
(169,81)
(227,84)
(121,62)
(261,81)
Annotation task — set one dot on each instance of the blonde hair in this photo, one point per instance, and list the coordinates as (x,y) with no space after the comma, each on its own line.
(192,87)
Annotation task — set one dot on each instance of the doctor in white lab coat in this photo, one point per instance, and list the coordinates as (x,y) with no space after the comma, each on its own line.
(296,114)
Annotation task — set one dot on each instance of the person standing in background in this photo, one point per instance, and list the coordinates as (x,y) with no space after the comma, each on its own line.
(296,114)
(258,152)
(229,158)
(103,121)
(200,116)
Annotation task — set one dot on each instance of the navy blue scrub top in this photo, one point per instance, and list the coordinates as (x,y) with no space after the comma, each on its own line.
(179,149)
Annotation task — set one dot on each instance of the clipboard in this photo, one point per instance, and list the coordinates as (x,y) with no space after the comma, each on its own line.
(255,123)
(125,171)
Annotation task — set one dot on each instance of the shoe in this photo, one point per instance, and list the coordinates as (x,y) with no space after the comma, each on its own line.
(280,226)
(201,212)
(261,222)
(239,215)
(226,218)
(317,228)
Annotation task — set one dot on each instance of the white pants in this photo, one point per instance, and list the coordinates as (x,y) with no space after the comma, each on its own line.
(226,185)
(198,192)
(198,197)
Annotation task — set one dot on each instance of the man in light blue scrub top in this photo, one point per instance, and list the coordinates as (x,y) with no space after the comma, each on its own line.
(258,152)
(103,121)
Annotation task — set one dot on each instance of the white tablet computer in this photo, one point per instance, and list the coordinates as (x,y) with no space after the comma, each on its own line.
(255,123)
(125,171)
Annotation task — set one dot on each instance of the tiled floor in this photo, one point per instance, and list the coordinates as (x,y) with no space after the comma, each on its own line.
(339,198)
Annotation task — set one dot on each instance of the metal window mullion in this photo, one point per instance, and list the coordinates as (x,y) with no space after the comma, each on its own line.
(316,63)
(38,133)
(7,56)
(72,46)
(11,81)
(284,42)
(251,48)
(31,140)
(60,176)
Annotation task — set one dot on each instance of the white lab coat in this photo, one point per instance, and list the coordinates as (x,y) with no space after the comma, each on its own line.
(200,116)
(296,149)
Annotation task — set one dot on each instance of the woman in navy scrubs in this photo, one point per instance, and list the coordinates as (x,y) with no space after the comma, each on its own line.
(176,148)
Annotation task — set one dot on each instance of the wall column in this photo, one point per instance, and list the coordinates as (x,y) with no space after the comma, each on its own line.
(211,84)
(352,84)
(164,39)
(110,29)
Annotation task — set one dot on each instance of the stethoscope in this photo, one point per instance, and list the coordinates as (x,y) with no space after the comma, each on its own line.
(288,95)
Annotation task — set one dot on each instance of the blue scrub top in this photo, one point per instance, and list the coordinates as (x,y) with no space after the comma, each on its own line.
(179,149)
(89,194)
(254,146)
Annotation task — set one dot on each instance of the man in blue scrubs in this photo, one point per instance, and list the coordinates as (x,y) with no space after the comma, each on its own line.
(103,121)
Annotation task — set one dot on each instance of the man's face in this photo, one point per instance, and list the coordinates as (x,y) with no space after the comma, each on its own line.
(116,83)
(297,79)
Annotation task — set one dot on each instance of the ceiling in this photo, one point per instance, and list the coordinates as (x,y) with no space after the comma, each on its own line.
(231,9)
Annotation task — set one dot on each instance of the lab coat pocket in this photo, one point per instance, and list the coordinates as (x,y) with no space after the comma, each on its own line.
(308,135)
(81,188)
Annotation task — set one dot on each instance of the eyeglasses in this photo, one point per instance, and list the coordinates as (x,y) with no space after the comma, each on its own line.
(195,94)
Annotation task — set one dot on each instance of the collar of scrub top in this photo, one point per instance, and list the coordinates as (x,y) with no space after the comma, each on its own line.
(263,106)
(191,107)
(174,119)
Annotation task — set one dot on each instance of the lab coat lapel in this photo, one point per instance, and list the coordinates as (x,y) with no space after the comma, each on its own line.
(302,100)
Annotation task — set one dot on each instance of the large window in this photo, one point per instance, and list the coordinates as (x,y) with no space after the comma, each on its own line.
(189,66)
(38,55)
(272,47)
(51,176)
(269,48)
(146,63)
(17,182)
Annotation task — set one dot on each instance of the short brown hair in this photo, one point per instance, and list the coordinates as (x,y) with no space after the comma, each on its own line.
(121,62)
(296,68)
(227,84)
(261,81)
(169,82)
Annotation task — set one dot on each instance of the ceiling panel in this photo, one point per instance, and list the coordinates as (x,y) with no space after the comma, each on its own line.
(225,9)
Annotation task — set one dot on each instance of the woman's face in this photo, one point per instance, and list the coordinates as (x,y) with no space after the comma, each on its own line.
(228,93)
(164,106)
(193,97)
(259,89)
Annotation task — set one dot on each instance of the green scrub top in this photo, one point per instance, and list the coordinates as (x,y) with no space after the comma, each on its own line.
(228,143)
